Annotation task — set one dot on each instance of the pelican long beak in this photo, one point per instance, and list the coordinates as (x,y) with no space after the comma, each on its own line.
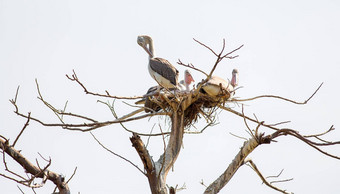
(147,50)
(191,79)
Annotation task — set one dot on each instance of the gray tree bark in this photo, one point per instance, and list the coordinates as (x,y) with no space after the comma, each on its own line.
(158,171)
(57,179)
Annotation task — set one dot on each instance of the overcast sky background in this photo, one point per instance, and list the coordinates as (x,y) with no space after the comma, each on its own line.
(290,47)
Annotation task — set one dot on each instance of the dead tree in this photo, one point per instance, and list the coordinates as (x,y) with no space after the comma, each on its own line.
(184,109)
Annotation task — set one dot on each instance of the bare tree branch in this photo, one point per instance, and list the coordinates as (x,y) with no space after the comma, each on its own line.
(254,167)
(85,127)
(74,172)
(22,130)
(222,180)
(279,97)
(57,179)
(191,66)
(74,77)
(119,156)
(219,56)
(111,107)
(206,47)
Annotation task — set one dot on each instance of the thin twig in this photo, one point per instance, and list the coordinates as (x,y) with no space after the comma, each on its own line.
(279,123)
(148,140)
(58,112)
(119,156)
(20,190)
(16,94)
(279,97)
(206,47)
(245,122)
(44,158)
(320,134)
(280,181)
(74,172)
(74,77)
(191,66)
(22,130)
(238,136)
(254,167)
(275,176)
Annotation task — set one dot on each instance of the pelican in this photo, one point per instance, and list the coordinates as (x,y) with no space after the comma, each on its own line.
(188,79)
(161,70)
(213,86)
(151,106)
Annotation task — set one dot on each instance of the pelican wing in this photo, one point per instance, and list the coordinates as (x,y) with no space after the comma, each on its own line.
(164,68)
(213,88)
(150,104)
(215,80)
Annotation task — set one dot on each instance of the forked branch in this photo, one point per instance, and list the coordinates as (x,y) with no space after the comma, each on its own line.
(258,139)
(254,167)
(280,97)
(88,124)
(74,77)
(35,171)
(219,56)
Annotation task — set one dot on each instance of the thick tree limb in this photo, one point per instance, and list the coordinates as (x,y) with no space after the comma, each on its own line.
(252,143)
(222,180)
(149,166)
(57,179)
(157,171)
(174,145)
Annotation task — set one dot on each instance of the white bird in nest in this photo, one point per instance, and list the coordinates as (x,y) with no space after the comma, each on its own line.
(216,86)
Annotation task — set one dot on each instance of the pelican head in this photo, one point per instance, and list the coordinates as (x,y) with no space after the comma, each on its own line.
(146,43)
(234,79)
(188,77)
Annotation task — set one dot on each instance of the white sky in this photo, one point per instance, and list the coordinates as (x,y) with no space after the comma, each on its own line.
(290,48)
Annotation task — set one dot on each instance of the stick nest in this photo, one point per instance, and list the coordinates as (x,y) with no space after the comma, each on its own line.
(194,105)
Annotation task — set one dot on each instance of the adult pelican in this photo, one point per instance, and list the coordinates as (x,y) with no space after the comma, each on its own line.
(213,86)
(161,70)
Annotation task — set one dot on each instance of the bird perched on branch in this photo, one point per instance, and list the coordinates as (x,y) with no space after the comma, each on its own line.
(216,86)
(161,70)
